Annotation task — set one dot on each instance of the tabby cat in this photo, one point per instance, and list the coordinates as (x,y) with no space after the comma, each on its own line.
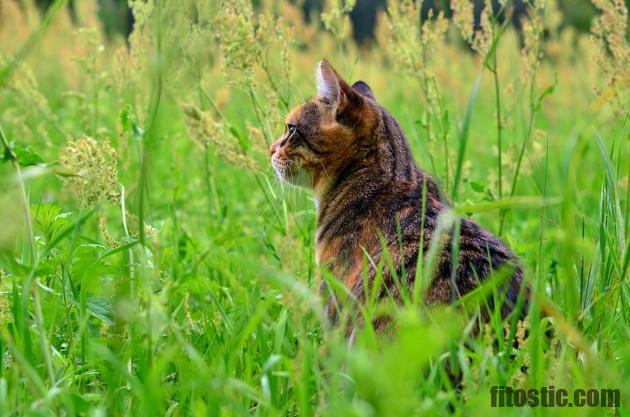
(369,193)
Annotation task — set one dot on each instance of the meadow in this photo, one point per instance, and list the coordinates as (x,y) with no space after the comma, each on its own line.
(152,264)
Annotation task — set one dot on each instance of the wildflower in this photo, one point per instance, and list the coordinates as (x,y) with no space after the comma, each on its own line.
(94,167)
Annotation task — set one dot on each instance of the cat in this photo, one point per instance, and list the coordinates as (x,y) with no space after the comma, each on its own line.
(369,192)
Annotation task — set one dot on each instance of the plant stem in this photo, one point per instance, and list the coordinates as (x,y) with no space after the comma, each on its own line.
(521,153)
(497,95)
(42,333)
(128,236)
(25,200)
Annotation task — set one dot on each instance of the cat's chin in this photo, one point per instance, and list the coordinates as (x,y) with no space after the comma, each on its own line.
(296,177)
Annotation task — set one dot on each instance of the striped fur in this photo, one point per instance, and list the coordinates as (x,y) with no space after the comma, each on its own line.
(354,155)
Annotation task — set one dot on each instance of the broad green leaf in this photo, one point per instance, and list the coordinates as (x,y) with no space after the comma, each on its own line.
(24,155)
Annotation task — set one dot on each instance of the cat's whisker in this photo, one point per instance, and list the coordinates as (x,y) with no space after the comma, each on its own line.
(325,171)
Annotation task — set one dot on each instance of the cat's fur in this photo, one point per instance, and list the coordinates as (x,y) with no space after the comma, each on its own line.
(368,189)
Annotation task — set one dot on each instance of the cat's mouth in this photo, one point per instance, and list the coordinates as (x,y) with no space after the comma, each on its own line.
(291,172)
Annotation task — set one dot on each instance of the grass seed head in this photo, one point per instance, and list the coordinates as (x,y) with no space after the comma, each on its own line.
(335,19)
(24,87)
(133,223)
(610,35)
(237,39)
(94,166)
(464,18)
(206,131)
(533,31)
(102,228)
(413,50)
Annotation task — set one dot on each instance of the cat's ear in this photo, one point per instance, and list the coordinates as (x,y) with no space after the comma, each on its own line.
(364,89)
(328,88)
(332,89)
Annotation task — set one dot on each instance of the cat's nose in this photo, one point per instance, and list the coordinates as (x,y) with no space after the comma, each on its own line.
(274,147)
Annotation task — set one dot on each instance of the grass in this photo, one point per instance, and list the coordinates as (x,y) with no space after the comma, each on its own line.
(173,275)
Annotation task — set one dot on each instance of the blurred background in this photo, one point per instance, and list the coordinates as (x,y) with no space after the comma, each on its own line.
(117,18)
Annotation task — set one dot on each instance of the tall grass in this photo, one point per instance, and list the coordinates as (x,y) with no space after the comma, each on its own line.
(151,264)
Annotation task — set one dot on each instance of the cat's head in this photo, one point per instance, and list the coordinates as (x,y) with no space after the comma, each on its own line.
(323,134)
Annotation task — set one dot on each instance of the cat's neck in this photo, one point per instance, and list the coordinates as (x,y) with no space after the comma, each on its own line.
(385,169)
(354,179)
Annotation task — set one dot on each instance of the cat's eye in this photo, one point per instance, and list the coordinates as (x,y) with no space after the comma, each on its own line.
(291,128)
